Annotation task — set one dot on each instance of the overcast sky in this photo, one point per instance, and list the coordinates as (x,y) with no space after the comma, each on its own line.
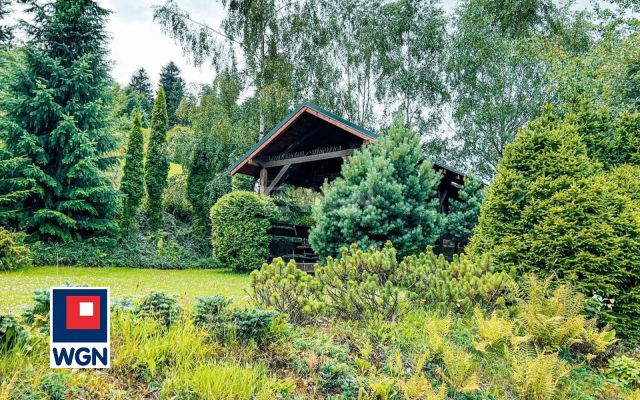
(138,42)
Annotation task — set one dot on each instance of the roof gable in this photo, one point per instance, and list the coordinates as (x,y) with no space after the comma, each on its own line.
(303,108)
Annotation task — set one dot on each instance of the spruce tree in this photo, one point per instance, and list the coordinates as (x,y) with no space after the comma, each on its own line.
(56,118)
(173,86)
(140,84)
(133,177)
(387,192)
(15,186)
(157,163)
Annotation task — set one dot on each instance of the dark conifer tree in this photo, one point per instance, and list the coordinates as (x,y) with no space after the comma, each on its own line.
(6,31)
(157,164)
(141,84)
(56,118)
(133,178)
(173,86)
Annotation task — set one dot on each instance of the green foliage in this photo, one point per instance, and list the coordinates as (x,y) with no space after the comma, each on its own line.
(140,83)
(160,307)
(386,192)
(156,168)
(173,86)
(287,289)
(239,233)
(209,311)
(56,386)
(254,324)
(11,333)
(552,211)
(132,185)
(13,253)
(463,214)
(459,285)
(177,247)
(60,129)
(625,370)
(175,198)
(37,316)
(181,141)
(360,284)
(15,186)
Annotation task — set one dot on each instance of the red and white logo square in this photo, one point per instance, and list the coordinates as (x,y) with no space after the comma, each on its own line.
(83,312)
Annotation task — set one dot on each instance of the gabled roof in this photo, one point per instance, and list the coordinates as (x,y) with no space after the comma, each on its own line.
(303,108)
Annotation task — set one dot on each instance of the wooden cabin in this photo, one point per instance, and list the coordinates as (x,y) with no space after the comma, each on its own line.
(308,148)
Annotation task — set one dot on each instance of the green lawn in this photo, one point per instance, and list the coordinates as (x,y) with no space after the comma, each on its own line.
(16,287)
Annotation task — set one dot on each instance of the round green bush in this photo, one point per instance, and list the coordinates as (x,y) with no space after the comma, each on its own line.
(240,223)
(160,307)
(13,254)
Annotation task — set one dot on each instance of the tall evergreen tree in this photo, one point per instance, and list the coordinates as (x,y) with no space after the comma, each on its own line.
(15,186)
(56,118)
(6,31)
(387,192)
(157,163)
(173,86)
(133,178)
(140,93)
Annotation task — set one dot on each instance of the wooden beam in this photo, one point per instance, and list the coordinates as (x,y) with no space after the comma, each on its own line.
(264,178)
(277,179)
(304,159)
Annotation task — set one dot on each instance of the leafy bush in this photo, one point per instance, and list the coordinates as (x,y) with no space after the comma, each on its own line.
(160,307)
(387,192)
(287,289)
(11,333)
(13,254)
(360,284)
(625,370)
(240,222)
(458,285)
(209,311)
(253,324)
(551,210)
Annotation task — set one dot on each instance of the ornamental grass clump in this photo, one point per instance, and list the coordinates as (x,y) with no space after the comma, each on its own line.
(360,284)
(458,285)
(287,289)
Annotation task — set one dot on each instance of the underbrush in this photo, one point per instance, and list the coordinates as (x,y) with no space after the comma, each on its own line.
(529,340)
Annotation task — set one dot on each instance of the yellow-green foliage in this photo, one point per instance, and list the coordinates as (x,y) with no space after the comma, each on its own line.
(553,317)
(457,285)
(227,381)
(359,284)
(287,289)
(13,254)
(538,377)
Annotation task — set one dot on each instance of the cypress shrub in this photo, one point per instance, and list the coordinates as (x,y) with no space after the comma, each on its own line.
(157,165)
(133,177)
(240,222)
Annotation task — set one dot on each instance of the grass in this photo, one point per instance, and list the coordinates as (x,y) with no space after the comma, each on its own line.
(16,287)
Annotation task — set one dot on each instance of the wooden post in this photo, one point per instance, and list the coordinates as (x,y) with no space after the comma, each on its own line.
(264,177)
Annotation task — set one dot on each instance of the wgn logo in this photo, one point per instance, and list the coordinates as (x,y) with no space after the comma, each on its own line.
(79,328)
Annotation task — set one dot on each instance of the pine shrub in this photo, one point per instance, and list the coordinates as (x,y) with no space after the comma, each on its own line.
(210,311)
(387,192)
(239,233)
(459,285)
(360,284)
(287,289)
(13,253)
